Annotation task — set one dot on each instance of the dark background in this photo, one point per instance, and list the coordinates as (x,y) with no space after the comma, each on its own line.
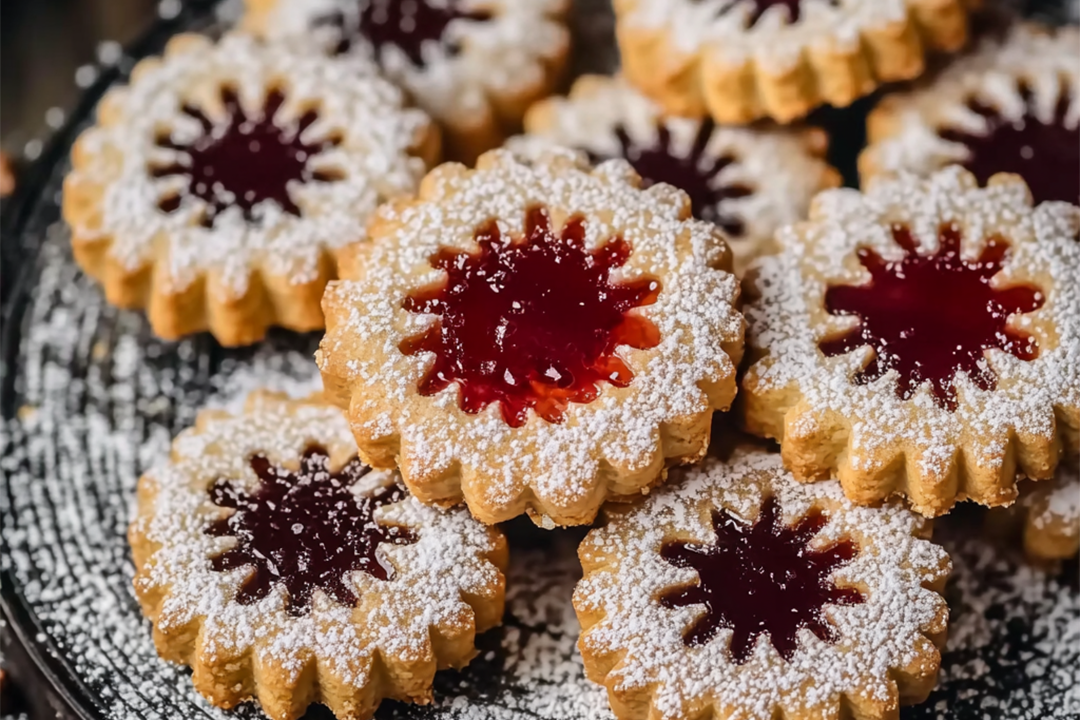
(42,45)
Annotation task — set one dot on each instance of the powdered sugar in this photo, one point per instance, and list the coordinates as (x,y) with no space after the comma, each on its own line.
(102,399)
(904,128)
(816,396)
(625,573)
(779,192)
(497,57)
(560,464)
(353,102)
(1056,502)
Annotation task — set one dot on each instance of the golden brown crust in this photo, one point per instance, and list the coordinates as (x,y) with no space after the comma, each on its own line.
(742,85)
(876,442)
(476,113)
(559,470)
(389,645)
(238,277)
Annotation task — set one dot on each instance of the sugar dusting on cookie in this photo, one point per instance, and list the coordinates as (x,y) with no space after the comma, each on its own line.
(100,400)
(371,161)
(561,463)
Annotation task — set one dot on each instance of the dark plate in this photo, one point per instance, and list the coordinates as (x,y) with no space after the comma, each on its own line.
(89,399)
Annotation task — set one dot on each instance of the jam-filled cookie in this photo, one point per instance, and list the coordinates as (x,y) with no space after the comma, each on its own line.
(534,335)
(1012,105)
(748,181)
(282,569)
(920,339)
(474,65)
(739,60)
(216,188)
(1051,513)
(736,592)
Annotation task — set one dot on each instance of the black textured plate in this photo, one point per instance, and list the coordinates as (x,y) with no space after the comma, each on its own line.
(90,399)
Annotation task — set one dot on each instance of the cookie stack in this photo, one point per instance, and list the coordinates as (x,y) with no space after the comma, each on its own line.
(558,328)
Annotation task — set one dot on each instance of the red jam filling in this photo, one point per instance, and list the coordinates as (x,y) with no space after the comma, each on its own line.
(760,579)
(1046,155)
(304,529)
(930,317)
(695,173)
(243,161)
(408,25)
(532,322)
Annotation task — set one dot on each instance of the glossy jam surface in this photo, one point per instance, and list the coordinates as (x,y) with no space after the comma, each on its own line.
(761,579)
(304,530)
(243,161)
(694,172)
(930,317)
(408,25)
(1046,155)
(531,322)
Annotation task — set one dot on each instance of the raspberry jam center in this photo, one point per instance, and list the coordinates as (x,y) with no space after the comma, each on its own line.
(408,25)
(695,172)
(533,322)
(304,529)
(929,317)
(243,161)
(761,578)
(1046,155)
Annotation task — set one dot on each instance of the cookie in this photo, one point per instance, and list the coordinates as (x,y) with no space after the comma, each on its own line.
(740,60)
(216,189)
(749,181)
(920,339)
(474,66)
(534,335)
(736,592)
(1011,105)
(1051,512)
(281,569)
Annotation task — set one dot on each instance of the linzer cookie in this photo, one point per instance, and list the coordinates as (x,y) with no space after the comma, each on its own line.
(534,335)
(739,60)
(475,66)
(216,188)
(1012,105)
(282,569)
(749,181)
(920,339)
(736,592)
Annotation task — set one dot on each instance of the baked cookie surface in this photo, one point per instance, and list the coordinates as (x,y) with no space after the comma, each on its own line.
(749,181)
(1011,105)
(281,569)
(737,592)
(473,65)
(920,339)
(534,335)
(739,60)
(216,189)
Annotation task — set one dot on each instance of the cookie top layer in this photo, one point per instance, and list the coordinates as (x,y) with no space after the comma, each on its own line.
(844,599)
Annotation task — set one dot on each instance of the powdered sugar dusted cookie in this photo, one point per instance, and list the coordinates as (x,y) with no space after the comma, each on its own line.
(749,181)
(736,592)
(739,60)
(534,335)
(923,339)
(1051,511)
(280,568)
(474,65)
(216,188)
(1012,105)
